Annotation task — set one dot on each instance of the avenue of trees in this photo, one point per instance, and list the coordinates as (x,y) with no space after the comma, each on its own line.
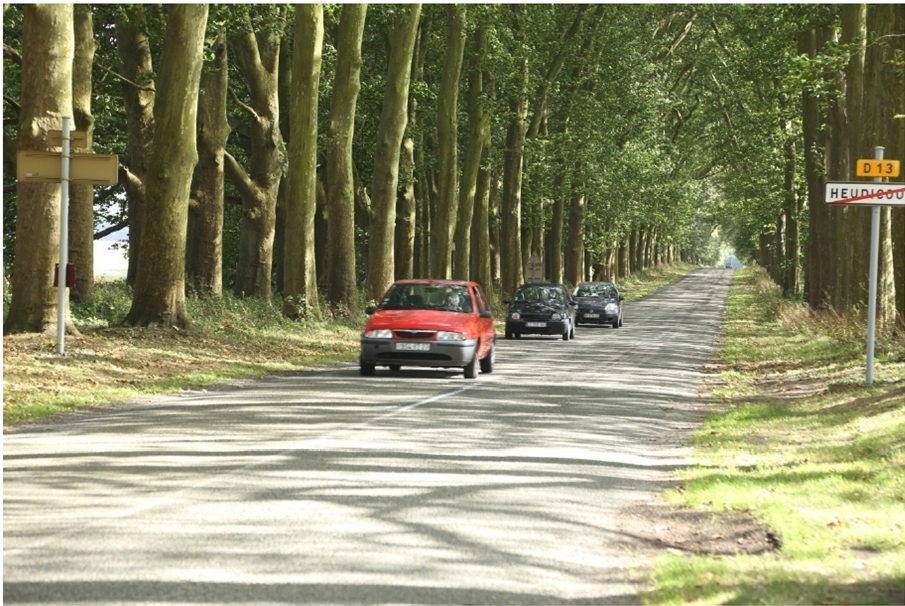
(319,152)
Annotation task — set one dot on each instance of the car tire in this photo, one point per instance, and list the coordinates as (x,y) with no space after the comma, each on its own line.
(508,335)
(573,331)
(620,321)
(488,360)
(616,324)
(395,367)
(471,371)
(366,369)
(566,335)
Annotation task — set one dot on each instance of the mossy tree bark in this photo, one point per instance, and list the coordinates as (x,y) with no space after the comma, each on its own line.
(341,283)
(81,197)
(204,258)
(47,51)
(300,269)
(393,119)
(406,214)
(159,297)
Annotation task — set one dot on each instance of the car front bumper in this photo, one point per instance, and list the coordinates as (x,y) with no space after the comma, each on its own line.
(440,354)
(603,317)
(520,327)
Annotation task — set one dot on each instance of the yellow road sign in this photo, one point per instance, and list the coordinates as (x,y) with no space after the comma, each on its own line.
(46,167)
(877,168)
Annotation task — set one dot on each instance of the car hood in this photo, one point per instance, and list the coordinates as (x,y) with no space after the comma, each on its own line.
(594,300)
(536,307)
(424,319)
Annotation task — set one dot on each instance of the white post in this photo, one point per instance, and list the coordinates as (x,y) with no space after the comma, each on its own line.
(64,240)
(872,292)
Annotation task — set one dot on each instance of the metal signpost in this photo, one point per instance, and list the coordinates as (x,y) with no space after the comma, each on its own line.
(65,167)
(874,195)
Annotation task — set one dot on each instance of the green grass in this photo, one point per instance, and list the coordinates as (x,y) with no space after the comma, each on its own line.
(805,447)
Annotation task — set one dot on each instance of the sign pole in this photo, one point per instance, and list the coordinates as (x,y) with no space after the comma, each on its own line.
(872,292)
(64,240)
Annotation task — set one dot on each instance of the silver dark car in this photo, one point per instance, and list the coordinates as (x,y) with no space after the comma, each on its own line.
(598,303)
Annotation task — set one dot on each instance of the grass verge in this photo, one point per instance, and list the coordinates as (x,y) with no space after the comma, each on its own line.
(231,339)
(803,445)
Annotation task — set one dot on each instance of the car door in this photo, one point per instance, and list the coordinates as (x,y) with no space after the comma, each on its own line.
(488,328)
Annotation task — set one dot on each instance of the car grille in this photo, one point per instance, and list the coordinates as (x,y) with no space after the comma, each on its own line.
(545,316)
(415,334)
(412,355)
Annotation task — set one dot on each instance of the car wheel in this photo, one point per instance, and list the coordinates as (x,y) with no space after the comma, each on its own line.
(616,323)
(508,335)
(565,335)
(573,331)
(471,371)
(366,369)
(487,362)
(395,367)
(620,320)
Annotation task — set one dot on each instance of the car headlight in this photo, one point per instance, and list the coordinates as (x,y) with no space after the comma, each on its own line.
(556,317)
(516,315)
(612,308)
(380,333)
(450,336)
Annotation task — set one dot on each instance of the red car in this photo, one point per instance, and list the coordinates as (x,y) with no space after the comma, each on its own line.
(437,323)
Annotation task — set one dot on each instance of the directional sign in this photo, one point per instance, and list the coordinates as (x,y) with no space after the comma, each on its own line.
(77,138)
(46,167)
(877,168)
(865,194)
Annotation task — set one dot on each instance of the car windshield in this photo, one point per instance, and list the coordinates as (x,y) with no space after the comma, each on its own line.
(442,297)
(538,294)
(595,290)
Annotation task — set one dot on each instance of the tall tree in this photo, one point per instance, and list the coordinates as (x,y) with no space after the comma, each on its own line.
(47,51)
(159,296)
(300,270)
(81,196)
(393,119)
(444,223)
(257,53)
(341,282)
(478,139)
(204,258)
(511,203)
(137,70)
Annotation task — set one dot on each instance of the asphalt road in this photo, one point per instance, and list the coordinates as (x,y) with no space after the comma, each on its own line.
(413,487)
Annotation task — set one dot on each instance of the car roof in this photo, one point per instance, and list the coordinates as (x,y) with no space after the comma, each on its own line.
(541,284)
(607,283)
(431,281)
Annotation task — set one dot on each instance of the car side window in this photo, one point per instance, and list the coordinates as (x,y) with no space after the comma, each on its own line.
(479,297)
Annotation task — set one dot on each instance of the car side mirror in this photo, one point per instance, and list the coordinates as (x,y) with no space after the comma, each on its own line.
(486,314)
(621,298)
(573,303)
(370,310)
(506,301)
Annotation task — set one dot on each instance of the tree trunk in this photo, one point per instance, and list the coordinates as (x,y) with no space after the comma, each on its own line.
(393,119)
(817,211)
(478,138)
(47,51)
(342,291)
(511,228)
(495,236)
(421,251)
(258,57)
(444,222)
(204,259)
(879,127)
(134,50)
(406,215)
(81,197)
(160,282)
(790,208)
(575,242)
(480,236)
(300,266)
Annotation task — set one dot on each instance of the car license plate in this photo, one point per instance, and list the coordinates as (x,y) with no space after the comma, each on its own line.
(535,324)
(413,346)
(592,315)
